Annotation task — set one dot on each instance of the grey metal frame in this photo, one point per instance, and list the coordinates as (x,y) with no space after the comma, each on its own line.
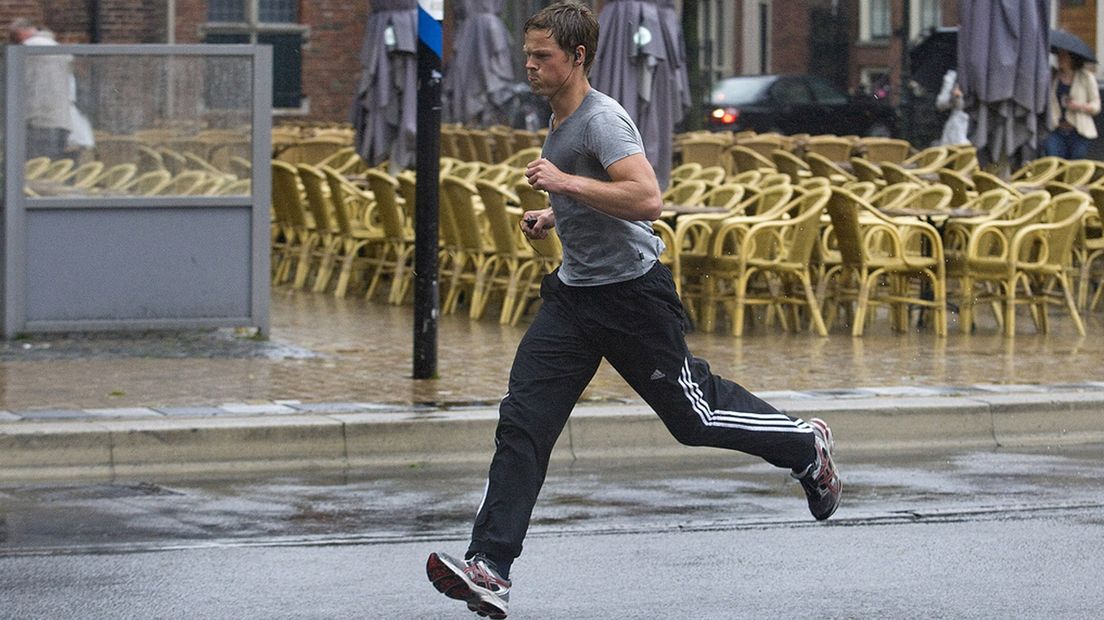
(19,211)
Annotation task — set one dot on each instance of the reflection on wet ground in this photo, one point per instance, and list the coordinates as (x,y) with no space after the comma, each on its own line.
(701,490)
(331,350)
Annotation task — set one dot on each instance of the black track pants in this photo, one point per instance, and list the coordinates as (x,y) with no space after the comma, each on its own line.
(638,326)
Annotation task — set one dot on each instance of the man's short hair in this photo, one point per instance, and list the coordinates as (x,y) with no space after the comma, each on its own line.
(571,24)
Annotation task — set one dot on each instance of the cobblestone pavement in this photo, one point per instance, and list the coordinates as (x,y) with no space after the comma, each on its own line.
(329,350)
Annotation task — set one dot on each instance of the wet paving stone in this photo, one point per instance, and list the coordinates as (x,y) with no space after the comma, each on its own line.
(324,351)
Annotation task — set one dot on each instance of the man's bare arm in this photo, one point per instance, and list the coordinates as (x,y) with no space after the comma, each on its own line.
(632,193)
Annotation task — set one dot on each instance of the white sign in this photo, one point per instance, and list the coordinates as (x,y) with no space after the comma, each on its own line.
(435,8)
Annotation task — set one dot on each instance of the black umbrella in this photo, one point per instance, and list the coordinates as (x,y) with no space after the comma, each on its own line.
(1063,40)
(931,58)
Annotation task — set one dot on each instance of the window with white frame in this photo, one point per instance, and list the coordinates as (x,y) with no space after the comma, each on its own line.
(265,22)
(717,51)
(875,21)
(924,16)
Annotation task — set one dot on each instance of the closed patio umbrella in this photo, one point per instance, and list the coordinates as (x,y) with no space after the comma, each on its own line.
(641,62)
(1004,73)
(385,109)
(478,81)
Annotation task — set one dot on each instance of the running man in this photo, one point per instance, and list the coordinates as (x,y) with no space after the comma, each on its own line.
(611,298)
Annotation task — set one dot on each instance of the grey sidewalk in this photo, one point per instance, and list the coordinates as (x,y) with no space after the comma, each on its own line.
(130,443)
(332,389)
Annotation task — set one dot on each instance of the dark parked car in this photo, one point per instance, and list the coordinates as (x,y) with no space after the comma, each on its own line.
(792,104)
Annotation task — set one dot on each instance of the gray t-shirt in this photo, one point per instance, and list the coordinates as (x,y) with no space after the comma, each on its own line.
(598,248)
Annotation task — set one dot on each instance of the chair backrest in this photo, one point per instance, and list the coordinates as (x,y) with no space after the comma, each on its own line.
(790,164)
(880,150)
(821,166)
(747,177)
(147,183)
(461,205)
(686,193)
(184,184)
(466,170)
(728,196)
(1066,218)
(893,195)
(521,158)
(1078,172)
(707,150)
(745,158)
(342,192)
(928,159)
(833,147)
(682,172)
(806,224)
(765,143)
(57,169)
(116,176)
(712,175)
(35,167)
(385,189)
(286,199)
(866,170)
(962,159)
(1031,205)
(959,184)
(313,150)
(1038,171)
(896,173)
(862,189)
(313,185)
(985,182)
(843,208)
(501,224)
(933,198)
(84,175)
(768,202)
(408,189)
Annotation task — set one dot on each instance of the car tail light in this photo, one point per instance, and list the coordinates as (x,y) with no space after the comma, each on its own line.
(726,116)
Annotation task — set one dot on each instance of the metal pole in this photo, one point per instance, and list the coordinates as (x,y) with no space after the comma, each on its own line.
(426,293)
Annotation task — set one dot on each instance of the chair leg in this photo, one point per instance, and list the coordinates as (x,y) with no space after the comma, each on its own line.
(1063,281)
(814,306)
(1010,307)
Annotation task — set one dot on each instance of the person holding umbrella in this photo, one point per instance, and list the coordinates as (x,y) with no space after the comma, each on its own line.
(1074,99)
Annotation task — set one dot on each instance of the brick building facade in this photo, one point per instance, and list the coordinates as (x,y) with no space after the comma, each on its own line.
(833,38)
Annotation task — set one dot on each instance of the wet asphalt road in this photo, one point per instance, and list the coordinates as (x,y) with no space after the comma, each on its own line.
(960,535)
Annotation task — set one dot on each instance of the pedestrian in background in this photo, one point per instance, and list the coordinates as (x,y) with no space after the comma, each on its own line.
(1074,101)
(958,123)
(46,88)
(611,298)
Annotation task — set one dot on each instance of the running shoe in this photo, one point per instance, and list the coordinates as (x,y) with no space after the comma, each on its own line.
(820,480)
(475,581)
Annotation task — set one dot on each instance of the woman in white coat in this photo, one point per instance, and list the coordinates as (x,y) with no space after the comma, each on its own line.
(1074,101)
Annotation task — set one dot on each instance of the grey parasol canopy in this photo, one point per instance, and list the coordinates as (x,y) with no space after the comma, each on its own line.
(1004,73)
(641,62)
(479,78)
(385,109)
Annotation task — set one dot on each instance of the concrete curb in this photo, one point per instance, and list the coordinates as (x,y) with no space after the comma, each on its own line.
(128,448)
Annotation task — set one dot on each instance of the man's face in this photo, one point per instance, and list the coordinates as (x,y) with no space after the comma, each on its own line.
(19,35)
(546,65)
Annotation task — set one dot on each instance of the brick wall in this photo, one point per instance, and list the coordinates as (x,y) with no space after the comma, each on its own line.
(790,39)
